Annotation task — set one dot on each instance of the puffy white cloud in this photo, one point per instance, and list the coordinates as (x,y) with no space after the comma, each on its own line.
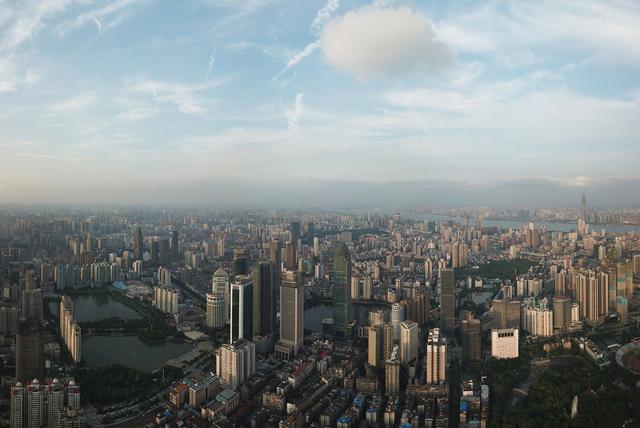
(372,42)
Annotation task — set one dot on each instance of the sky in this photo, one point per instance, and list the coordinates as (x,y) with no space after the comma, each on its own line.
(322,102)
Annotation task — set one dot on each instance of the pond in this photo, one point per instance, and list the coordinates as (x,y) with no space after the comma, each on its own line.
(96,307)
(130,351)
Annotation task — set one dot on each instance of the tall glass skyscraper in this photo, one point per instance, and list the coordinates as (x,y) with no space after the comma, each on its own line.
(341,292)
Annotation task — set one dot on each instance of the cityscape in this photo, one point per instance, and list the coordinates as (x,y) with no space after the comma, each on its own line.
(322,213)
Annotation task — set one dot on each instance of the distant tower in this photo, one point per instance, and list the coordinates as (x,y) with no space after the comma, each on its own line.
(341,279)
(175,254)
(138,243)
(583,209)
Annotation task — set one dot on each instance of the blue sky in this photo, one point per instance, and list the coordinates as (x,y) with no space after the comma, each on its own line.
(101,101)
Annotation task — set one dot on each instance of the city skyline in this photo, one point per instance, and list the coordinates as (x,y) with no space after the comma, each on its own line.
(273,102)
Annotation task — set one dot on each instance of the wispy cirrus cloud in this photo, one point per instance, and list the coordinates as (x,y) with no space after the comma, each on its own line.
(104,18)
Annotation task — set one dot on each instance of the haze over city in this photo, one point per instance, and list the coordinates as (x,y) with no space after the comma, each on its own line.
(314,103)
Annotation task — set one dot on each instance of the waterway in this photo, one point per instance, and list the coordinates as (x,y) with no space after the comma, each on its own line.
(130,351)
(96,307)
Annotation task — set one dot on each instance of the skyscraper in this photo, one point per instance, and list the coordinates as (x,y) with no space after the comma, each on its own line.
(471,333)
(341,292)
(138,243)
(408,342)
(583,209)
(175,252)
(216,310)
(376,345)
(237,362)
(392,373)
(447,300)
(291,315)
(241,308)
(264,311)
(220,284)
(290,256)
(31,304)
(436,358)
(29,351)
(294,232)
(164,253)
(155,251)
(18,403)
(240,262)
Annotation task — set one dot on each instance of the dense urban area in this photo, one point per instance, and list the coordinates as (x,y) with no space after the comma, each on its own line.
(145,317)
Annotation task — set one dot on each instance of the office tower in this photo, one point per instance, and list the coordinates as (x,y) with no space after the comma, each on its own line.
(436,358)
(276,262)
(389,339)
(164,254)
(471,333)
(216,310)
(31,304)
(241,308)
(175,251)
(504,343)
(447,300)
(240,262)
(397,316)
(290,256)
(237,362)
(355,287)
(376,345)
(138,243)
(341,279)
(506,313)
(264,311)
(291,315)
(29,351)
(35,404)
(18,404)
(409,333)
(294,232)
(155,251)
(561,312)
(220,284)
(392,373)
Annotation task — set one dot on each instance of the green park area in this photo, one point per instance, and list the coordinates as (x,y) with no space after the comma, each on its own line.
(500,269)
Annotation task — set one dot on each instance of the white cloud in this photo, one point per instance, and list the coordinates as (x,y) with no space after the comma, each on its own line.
(77,103)
(606,31)
(293,115)
(308,50)
(114,12)
(212,61)
(324,14)
(370,42)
